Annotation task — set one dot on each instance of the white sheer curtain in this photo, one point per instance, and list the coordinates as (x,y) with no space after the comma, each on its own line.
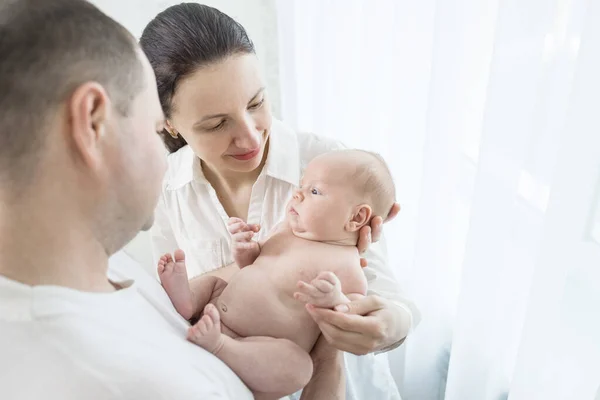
(488,114)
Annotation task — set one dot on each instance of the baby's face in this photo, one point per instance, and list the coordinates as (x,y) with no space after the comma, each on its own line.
(324,202)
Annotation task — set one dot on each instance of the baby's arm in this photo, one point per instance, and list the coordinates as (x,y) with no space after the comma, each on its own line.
(245,250)
(330,289)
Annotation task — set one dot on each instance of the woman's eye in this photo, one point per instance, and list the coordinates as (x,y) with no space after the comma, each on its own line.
(256,106)
(216,127)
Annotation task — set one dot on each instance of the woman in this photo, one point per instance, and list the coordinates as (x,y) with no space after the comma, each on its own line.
(229,158)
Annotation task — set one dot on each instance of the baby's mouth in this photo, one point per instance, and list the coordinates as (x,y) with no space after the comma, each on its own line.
(293,211)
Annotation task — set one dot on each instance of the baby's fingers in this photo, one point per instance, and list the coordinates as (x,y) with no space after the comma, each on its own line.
(242,236)
(329,277)
(244,245)
(302,297)
(323,285)
(234,220)
(309,289)
(241,226)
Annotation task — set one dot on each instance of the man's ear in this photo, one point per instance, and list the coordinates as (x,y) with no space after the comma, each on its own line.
(89,109)
(361,216)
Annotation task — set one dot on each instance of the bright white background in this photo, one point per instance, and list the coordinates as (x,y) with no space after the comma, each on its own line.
(488,114)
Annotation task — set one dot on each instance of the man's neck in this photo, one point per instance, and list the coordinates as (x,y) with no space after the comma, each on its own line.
(41,247)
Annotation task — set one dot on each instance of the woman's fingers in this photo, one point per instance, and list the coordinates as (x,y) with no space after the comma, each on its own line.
(376,229)
(350,342)
(393,213)
(364,239)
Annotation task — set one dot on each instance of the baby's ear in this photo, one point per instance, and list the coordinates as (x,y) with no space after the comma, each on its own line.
(360,217)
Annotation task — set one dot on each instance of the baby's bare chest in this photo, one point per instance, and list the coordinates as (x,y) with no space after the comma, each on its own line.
(290,259)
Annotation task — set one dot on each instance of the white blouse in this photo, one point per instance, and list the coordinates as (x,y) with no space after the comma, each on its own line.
(189,215)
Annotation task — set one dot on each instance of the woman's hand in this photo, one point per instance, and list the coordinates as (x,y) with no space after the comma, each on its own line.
(371,233)
(328,381)
(363,326)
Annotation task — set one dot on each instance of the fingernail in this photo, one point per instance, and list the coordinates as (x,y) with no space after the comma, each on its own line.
(369,237)
(342,308)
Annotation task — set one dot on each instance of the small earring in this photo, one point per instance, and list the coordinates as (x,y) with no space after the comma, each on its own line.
(173,134)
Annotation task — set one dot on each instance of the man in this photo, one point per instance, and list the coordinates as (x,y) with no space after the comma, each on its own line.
(80,172)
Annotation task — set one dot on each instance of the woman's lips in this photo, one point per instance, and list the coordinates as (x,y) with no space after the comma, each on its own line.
(247,156)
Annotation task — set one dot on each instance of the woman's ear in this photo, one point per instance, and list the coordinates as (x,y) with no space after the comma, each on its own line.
(360,217)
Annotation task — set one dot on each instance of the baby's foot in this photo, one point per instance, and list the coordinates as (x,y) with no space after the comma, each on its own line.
(324,291)
(173,276)
(206,333)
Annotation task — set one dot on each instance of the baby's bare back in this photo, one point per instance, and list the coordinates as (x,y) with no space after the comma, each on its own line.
(258,301)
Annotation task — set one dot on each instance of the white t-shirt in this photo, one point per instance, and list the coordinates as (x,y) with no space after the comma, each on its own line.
(59,343)
(189,216)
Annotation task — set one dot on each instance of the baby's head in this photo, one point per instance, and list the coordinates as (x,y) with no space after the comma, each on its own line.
(339,193)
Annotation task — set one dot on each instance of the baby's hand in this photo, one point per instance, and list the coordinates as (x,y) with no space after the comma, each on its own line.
(324,291)
(244,249)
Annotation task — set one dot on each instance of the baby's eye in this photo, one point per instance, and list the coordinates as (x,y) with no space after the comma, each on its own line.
(315,191)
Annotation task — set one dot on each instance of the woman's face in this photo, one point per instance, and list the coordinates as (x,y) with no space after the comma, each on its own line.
(222,112)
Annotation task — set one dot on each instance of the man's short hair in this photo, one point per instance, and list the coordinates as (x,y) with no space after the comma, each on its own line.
(47,49)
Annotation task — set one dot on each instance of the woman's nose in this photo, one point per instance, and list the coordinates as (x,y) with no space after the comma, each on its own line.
(248,137)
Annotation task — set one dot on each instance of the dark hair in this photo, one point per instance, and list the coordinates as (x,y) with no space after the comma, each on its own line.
(47,50)
(182,39)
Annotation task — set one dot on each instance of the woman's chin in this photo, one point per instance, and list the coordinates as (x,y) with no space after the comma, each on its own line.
(244,165)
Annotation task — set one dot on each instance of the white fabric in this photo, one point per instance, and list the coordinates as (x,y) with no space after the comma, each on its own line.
(189,216)
(487,111)
(58,343)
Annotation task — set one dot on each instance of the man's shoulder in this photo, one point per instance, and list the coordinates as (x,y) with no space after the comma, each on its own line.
(34,366)
(61,361)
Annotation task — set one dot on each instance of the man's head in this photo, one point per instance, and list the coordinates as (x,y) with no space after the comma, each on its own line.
(341,192)
(79,113)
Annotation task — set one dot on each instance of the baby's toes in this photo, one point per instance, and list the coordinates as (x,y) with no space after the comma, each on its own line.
(205,324)
(195,331)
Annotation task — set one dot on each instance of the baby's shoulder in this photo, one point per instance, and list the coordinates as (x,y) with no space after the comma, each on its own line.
(345,263)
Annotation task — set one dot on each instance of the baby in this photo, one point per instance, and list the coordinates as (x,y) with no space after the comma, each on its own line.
(257,323)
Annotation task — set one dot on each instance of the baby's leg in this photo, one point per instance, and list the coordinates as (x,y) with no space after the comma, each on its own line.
(189,298)
(268,366)
(324,291)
